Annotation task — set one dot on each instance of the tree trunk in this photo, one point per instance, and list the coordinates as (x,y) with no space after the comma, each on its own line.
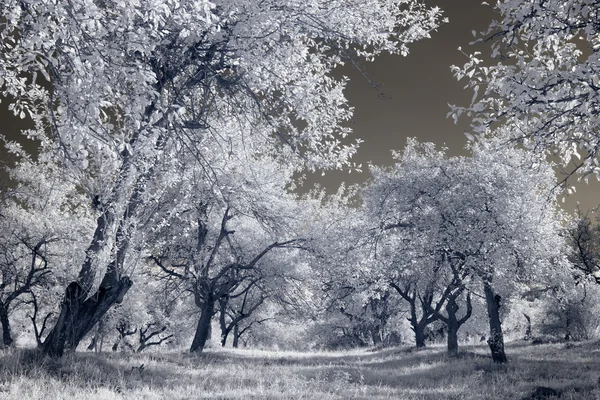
(496,340)
(236,336)
(7,339)
(222,323)
(78,315)
(80,311)
(203,328)
(224,335)
(452,324)
(419,330)
(418,325)
(528,333)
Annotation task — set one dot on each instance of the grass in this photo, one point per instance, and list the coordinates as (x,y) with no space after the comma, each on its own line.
(399,373)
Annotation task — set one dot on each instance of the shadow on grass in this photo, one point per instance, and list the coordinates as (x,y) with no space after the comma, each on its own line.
(425,374)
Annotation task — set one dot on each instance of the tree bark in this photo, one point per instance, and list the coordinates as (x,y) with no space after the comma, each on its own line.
(453,325)
(203,328)
(79,314)
(419,330)
(496,340)
(236,336)
(7,339)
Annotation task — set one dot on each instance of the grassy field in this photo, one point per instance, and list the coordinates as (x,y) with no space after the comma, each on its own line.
(401,373)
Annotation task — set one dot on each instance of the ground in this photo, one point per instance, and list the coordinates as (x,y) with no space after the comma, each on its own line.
(401,373)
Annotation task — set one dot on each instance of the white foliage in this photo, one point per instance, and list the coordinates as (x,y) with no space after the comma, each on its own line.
(496,209)
(120,91)
(543,83)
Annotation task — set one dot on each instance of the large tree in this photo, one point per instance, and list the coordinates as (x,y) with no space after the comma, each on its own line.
(450,224)
(117,89)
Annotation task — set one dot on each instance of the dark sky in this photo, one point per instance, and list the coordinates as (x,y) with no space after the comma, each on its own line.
(416,92)
(413,92)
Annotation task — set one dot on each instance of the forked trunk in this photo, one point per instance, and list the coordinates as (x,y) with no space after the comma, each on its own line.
(81,309)
(203,328)
(496,340)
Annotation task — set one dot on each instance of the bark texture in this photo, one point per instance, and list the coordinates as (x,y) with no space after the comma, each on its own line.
(7,339)
(496,339)
(79,314)
(203,327)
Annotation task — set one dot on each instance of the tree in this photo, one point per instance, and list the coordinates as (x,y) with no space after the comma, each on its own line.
(584,238)
(543,83)
(219,245)
(452,222)
(422,314)
(24,265)
(36,239)
(237,307)
(117,90)
(407,210)
(147,317)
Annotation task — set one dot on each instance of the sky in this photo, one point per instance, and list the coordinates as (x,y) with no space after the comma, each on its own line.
(414,91)
(412,98)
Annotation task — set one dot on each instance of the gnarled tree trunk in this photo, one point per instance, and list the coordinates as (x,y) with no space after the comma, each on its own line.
(203,328)
(453,323)
(79,314)
(496,340)
(81,309)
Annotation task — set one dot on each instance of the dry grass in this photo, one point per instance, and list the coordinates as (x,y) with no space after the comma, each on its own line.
(227,374)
